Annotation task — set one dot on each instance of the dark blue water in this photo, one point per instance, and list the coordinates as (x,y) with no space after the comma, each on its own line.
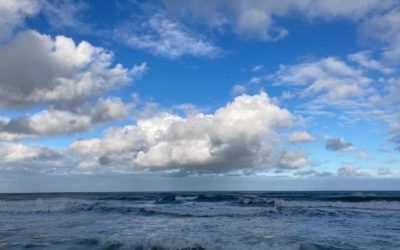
(209,220)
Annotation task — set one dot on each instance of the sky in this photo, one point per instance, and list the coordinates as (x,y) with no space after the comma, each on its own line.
(113,95)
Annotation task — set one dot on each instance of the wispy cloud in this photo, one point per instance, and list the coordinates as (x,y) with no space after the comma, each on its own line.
(164,37)
(259,19)
(330,77)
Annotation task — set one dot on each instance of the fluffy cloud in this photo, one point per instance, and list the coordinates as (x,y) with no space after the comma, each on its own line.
(16,152)
(239,135)
(338,144)
(330,77)
(163,37)
(36,68)
(60,76)
(300,137)
(19,157)
(13,13)
(292,160)
(349,89)
(59,122)
(108,109)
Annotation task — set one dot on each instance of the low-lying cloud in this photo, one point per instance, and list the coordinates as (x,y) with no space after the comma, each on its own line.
(238,136)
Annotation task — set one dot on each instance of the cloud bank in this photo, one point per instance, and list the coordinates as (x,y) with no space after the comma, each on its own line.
(238,136)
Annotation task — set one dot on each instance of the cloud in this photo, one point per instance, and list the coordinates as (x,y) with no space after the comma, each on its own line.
(246,19)
(238,136)
(353,10)
(13,14)
(384,171)
(395,139)
(300,137)
(392,95)
(61,122)
(329,77)
(32,159)
(16,152)
(64,14)
(384,29)
(259,19)
(351,171)
(257,68)
(36,68)
(59,14)
(314,173)
(331,86)
(362,155)
(346,171)
(238,89)
(256,23)
(292,160)
(364,58)
(163,37)
(108,109)
(338,144)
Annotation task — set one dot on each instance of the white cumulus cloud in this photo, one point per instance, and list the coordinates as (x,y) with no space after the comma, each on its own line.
(13,14)
(300,137)
(61,122)
(36,68)
(240,135)
(17,152)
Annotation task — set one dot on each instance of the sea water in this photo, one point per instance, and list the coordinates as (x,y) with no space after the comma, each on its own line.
(201,220)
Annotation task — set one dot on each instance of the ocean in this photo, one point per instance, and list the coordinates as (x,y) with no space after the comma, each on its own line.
(201,220)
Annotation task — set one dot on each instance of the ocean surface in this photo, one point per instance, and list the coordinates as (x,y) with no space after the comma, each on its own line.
(201,220)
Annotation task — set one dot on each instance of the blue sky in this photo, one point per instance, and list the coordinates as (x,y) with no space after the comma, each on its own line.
(192,95)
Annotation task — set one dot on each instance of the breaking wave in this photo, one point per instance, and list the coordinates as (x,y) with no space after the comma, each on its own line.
(213,220)
(196,205)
